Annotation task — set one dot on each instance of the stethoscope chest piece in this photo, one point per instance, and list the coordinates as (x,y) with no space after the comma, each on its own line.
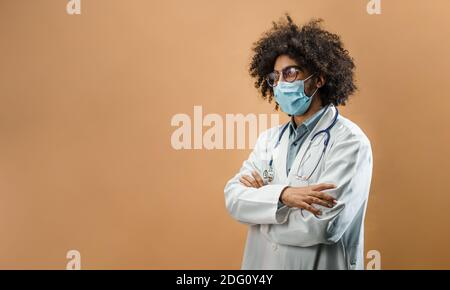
(268,174)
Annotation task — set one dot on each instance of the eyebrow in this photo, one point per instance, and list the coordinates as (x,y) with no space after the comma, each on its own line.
(290,66)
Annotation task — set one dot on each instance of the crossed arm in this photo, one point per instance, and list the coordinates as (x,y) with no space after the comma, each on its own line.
(348,167)
(297,197)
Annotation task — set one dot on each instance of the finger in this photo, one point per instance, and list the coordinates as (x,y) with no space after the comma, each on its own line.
(323,196)
(258,178)
(322,186)
(245,182)
(310,208)
(250,180)
(319,201)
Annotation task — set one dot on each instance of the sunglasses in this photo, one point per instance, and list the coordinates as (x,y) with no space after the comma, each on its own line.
(289,74)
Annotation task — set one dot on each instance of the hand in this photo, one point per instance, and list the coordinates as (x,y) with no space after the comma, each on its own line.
(252,181)
(304,197)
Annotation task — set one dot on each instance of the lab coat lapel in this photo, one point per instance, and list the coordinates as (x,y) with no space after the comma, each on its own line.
(322,124)
(279,158)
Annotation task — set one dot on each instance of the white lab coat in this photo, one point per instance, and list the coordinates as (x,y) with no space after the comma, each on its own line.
(290,238)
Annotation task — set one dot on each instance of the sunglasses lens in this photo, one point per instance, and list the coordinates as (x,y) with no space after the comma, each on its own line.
(290,74)
(272,79)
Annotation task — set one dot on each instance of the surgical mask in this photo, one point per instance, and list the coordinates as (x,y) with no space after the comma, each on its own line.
(292,97)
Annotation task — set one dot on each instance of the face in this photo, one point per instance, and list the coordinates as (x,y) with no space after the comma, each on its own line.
(294,72)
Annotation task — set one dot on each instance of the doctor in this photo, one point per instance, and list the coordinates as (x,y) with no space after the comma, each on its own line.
(303,190)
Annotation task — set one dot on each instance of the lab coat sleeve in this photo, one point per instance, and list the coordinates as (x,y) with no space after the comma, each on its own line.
(348,165)
(254,205)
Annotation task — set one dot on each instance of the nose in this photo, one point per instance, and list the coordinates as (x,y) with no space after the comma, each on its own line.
(280,76)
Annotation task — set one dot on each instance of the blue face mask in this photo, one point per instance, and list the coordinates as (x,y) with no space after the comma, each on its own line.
(292,97)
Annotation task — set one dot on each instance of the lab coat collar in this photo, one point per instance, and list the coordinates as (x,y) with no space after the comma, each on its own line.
(323,123)
(280,153)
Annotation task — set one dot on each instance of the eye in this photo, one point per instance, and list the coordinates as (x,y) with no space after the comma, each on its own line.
(290,74)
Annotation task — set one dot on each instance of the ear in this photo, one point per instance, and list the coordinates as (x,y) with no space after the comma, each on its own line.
(320,81)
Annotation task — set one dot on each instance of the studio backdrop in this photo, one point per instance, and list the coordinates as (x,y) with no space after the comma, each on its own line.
(108,111)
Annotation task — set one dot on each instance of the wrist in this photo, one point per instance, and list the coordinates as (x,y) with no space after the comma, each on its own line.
(284,194)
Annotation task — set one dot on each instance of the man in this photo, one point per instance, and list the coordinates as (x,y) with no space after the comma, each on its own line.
(303,190)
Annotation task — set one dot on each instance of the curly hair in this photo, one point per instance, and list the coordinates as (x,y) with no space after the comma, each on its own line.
(314,49)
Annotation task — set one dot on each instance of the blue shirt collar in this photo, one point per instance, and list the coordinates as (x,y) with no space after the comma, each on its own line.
(308,124)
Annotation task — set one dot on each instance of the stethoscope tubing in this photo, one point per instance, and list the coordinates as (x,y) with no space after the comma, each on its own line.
(327,139)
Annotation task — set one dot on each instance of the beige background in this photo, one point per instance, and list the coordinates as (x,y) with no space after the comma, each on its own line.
(86,103)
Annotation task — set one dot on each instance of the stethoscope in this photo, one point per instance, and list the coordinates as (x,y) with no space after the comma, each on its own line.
(268,174)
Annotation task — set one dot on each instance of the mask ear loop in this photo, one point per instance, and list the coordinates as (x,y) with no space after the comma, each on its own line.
(313,93)
(316,88)
(309,77)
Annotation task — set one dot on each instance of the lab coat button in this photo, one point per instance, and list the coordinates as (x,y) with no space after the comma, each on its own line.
(274,247)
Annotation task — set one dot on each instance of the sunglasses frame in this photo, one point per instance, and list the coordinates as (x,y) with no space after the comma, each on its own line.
(283,73)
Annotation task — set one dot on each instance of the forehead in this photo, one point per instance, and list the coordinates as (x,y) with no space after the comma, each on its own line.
(283,61)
